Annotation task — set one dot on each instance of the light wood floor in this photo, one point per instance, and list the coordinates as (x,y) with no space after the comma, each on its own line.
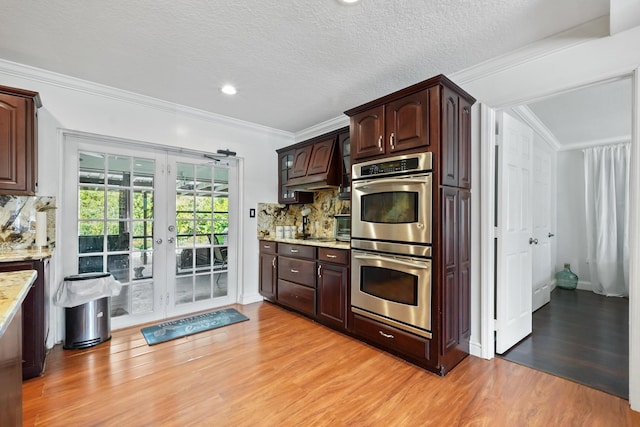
(280,369)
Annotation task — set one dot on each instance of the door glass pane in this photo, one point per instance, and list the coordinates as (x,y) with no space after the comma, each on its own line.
(106,220)
(202,220)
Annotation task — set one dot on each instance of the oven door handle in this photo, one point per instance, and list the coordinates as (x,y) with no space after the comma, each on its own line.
(383,181)
(392,260)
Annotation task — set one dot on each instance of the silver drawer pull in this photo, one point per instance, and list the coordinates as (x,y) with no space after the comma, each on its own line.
(294,251)
(267,246)
(294,271)
(386,335)
(331,256)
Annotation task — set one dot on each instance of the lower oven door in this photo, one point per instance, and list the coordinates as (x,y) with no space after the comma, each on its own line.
(391,289)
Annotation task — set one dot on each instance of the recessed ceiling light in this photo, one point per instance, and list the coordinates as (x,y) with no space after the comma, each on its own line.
(228,89)
(349,1)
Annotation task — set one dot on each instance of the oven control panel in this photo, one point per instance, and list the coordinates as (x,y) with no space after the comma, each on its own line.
(394,165)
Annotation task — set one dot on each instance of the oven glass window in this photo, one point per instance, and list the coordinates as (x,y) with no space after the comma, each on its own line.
(390,285)
(392,207)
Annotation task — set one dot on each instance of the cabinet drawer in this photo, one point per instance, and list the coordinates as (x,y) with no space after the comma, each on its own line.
(297,251)
(339,256)
(267,247)
(390,337)
(296,270)
(297,296)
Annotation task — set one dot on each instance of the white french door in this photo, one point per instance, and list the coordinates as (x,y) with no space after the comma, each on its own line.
(198,234)
(163,225)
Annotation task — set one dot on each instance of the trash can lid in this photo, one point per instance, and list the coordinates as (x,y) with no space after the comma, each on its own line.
(86,276)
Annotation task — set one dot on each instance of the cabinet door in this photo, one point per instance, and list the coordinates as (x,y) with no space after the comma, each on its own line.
(34,324)
(367,133)
(464,144)
(18,165)
(407,122)
(450,296)
(332,294)
(301,159)
(464,266)
(450,147)
(344,141)
(286,195)
(321,157)
(268,277)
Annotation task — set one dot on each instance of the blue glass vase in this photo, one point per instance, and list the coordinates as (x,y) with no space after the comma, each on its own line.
(566,279)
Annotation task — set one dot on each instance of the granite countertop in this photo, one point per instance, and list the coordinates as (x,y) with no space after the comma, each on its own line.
(14,286)
(323,243)
(25,254)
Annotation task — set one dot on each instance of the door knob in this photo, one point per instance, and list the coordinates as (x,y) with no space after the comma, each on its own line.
(533,241)
(172,228)
(551,235)
(159,241)
(171,240)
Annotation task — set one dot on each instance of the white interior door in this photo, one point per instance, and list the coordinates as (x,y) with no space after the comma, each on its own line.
(514,276)
(542,234)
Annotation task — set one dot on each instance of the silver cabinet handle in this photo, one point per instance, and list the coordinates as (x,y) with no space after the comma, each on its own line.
(273,262)
(331,256)
(266,246)
(294,251)
(380,143)
(386,335)
(391,141)
(294,271)
(319,271)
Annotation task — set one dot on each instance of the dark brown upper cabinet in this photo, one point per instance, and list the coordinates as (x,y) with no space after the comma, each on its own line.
(287,195)
(312,165)
(18,141)
(398,125)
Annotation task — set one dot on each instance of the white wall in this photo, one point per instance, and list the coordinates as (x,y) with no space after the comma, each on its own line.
(82,106)
(572,221)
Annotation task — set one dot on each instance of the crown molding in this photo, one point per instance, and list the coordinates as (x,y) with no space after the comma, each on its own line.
(594,29)
(531,119)
(96,89)
(322,128)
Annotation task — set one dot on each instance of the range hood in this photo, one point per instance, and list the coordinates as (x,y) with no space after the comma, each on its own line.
(316,167)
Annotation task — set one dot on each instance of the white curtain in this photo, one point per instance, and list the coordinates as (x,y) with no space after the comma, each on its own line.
(607,203)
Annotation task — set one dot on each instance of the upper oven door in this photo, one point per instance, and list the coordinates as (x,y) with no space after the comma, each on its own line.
(392,209)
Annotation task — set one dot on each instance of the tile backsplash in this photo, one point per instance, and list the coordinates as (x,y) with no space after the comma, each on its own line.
(325,205)
(18,221)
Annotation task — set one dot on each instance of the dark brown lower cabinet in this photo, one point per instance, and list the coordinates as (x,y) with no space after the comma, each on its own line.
(333,287)
(35,317)
(11,373)
(268,269)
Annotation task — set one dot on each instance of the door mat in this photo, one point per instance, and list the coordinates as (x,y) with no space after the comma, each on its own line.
(191,325)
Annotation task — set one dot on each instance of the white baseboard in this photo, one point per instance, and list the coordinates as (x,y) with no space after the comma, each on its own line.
(250,299)
(582,285)
(475,349)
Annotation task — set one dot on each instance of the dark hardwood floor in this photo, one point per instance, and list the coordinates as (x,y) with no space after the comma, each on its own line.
(580,336)
(281,369)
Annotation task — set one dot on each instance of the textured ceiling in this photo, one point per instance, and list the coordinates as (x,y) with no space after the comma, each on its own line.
(295,63)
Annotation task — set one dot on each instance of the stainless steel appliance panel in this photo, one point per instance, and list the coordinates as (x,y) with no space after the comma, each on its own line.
(395,290)
(393,209)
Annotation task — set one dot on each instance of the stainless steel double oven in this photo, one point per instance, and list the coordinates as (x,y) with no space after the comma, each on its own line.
(391,241)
